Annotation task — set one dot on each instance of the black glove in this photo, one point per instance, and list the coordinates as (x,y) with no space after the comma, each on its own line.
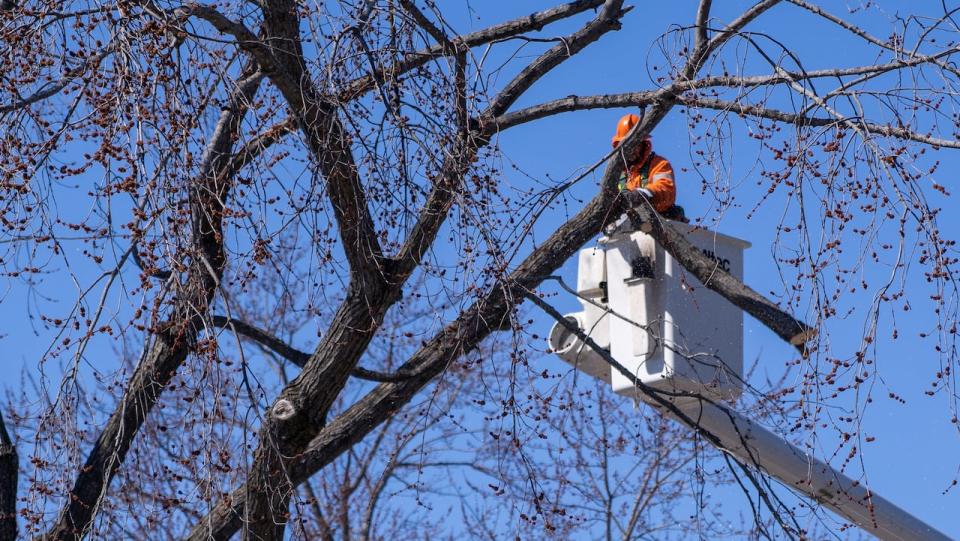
(638,197)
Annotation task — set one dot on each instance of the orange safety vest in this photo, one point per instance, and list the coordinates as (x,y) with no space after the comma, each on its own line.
(656,175)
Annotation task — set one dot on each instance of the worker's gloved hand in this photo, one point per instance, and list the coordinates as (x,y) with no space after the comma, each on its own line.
(638,197)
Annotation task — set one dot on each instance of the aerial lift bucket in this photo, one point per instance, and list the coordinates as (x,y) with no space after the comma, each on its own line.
(659,322)
(673,334)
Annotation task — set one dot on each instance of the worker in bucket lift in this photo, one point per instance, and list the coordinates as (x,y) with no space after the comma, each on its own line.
(648,176)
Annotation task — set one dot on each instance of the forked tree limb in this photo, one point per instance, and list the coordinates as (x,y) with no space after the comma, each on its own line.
(490,314)
(262,518)
(492,34)
(173,339)
(299,412)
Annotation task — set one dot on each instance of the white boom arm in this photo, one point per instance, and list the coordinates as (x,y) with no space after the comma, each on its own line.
(751,444)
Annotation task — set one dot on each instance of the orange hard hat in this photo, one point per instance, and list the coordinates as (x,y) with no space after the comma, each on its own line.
(626,123)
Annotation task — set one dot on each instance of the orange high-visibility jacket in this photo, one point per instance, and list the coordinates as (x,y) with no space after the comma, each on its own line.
(656,175)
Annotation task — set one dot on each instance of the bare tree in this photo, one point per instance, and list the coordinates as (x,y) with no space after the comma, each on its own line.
(290,222)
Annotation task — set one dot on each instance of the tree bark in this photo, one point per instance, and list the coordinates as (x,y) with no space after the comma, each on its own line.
(484,317)
(174,339)
(376,283)
(488,315)
(787,327)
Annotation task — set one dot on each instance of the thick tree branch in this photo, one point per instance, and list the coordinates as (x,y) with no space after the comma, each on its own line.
(473,325)
(575,103)
(263,338)
(299,413)
(802,120)
(703,18)
(607,20)
(379,376)
(246,38)
(534,21)
(301,408)
(175,338)
(432,29)
(636,99)
(9,470)
(787,327)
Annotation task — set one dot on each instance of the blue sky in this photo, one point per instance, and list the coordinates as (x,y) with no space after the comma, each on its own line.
(916,448)
(914,456)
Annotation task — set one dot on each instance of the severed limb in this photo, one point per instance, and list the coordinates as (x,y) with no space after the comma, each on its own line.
(787,327)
